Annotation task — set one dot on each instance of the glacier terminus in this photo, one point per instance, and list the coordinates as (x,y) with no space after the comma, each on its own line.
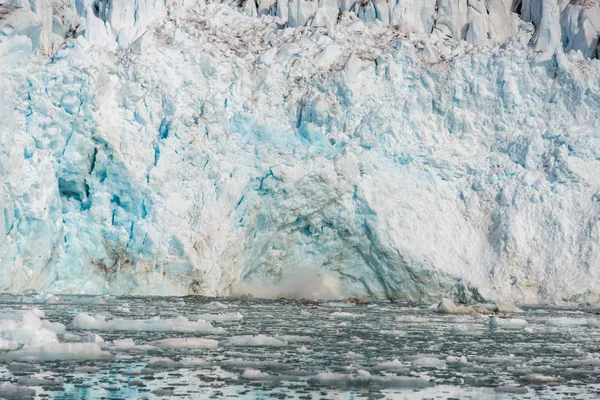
(399,149)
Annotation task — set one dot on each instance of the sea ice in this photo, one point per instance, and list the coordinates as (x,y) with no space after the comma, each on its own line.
(179,324)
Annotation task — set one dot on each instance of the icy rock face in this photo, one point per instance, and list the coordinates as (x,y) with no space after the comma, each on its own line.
(155,155)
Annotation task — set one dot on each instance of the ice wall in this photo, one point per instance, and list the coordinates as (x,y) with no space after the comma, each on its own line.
(182,147)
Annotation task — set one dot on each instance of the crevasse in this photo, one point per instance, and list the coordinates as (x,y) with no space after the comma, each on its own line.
(183,147)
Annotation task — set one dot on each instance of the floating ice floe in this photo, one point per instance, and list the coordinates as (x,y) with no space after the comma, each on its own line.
(364,379)
(255,374)
(566,321)
(255,341)
(11,391)
(219,317)
(510,359)
(304,350)
(428,362)
(178,324)
(214,305)
(58,352)
(26,328)
(466,330)
(294,338)
(395,365)
(539,378)
(341,314)
(185,343)
(92,338)
(507,323)
(411,319)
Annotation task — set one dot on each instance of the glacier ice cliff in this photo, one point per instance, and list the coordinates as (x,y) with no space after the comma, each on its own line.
(408,149)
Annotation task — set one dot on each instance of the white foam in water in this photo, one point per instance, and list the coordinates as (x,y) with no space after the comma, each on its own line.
(58,351)
(255,341)
(185,343)
(178,324)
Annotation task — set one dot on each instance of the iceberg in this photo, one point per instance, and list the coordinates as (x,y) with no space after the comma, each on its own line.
(401,149)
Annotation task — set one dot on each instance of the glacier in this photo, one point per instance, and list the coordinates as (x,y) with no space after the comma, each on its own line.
(405,149)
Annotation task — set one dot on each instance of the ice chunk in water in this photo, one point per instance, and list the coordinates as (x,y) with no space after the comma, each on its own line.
(185,343)
(539,378)
(255,341)
(25,328)
(92,338)
(255,374)
(59,351)
(507,323)
(365,379)
(215,305)
(10,391)
(345,315)
(566,321)
(219,317)
(429,362)
(124,344)
(178,324)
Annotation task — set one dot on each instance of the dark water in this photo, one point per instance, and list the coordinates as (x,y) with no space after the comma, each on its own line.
(329,350)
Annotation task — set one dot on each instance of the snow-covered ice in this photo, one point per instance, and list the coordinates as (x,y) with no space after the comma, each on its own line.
(398,149)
